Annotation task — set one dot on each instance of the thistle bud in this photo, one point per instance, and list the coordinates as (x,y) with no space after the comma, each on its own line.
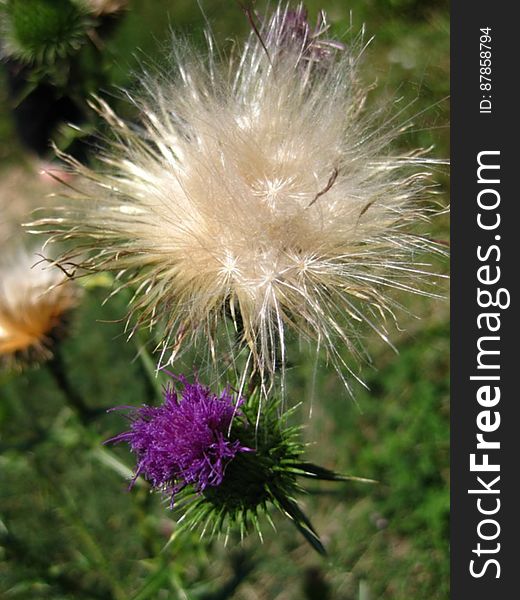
(41,31)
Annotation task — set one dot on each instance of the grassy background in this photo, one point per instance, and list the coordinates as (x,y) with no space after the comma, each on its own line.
(69,530)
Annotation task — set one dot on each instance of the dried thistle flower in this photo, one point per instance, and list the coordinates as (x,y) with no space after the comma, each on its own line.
(223,463)
(260,192)
(35,306)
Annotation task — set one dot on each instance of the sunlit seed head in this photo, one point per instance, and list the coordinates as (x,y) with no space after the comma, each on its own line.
(258,195)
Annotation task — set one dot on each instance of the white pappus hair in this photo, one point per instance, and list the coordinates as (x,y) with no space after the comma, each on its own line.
(260,193)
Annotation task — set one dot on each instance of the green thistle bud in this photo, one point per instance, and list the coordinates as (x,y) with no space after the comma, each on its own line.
(41,31)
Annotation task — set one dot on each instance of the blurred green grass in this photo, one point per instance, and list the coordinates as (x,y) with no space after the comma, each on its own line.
(69,530)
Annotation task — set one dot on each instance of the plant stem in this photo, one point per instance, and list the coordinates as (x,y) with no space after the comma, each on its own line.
(147,367)
(58,370)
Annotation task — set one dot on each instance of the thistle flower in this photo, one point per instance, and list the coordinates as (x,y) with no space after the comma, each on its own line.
(35,306)
(41,31)
(184,441)
(257,194)
(223,463)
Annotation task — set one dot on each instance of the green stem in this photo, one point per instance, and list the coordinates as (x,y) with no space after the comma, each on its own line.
(146,362)
(58,370)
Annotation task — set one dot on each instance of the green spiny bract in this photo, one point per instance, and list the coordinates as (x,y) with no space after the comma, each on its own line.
(256,481)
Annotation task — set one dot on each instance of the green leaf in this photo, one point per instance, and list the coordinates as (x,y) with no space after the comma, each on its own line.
(311,471)
(301,522)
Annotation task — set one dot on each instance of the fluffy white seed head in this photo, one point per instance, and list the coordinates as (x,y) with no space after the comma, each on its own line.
(256,193)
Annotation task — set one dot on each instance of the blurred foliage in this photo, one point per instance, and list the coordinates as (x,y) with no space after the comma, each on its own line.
(68,527)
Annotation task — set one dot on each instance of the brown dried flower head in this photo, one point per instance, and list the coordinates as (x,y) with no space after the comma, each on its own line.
(35,305)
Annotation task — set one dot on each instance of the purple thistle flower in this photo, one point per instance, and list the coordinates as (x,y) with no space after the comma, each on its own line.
(296,31)
(185,441)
